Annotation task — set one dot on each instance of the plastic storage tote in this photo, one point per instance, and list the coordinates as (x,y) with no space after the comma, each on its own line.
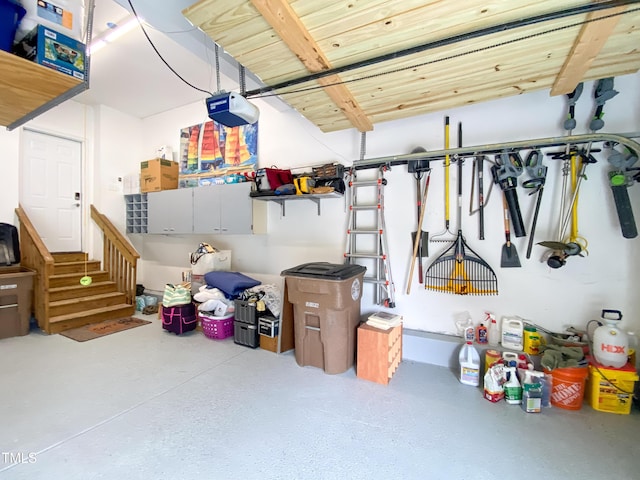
(326,313)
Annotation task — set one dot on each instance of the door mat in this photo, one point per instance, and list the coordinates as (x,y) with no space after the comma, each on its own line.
(97,330)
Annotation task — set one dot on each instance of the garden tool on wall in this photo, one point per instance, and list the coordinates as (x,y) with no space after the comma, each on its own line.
(620,178)
(447,163)
(537,177)
(478,175)
(417,239)
(417,168)
(459,270)
(570,122)
(603,93)
(505,173)
(573,244)
(509,257)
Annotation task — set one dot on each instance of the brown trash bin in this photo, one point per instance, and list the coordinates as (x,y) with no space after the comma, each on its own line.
(16,287)
(326,313)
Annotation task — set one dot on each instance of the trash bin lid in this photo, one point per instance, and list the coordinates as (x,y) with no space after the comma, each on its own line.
(325,270)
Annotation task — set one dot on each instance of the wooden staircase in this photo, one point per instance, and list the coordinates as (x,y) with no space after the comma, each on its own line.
(71,304)
(60,301)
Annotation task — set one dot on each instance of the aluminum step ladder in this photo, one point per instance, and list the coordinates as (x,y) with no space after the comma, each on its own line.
(366,232)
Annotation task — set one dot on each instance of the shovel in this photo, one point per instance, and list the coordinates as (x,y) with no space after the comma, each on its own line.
(417,167)
(509,254)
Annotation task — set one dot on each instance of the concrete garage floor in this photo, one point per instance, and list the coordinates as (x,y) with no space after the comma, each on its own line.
(146,404)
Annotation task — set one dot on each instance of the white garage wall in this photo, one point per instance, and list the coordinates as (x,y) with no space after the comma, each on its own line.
(574,294)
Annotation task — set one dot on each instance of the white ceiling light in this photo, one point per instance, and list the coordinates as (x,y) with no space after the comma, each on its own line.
(115,31)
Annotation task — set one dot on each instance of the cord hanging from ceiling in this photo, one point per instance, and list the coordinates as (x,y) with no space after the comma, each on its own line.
(133,10)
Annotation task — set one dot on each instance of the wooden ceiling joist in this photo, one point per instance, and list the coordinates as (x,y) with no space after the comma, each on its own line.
(592,37)
(285,22)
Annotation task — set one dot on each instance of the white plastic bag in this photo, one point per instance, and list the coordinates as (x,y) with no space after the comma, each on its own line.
(210,262)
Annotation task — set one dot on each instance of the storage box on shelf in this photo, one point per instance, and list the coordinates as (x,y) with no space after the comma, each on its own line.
(54,50)
(158,174)
(136,213)
(379,353)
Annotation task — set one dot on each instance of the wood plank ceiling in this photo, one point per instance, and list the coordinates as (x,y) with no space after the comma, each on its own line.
(473,54)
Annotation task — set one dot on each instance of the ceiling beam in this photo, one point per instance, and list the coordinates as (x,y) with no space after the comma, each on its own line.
(592,37)
(285,22)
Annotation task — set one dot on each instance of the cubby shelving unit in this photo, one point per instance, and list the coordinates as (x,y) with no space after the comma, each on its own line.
(136,212)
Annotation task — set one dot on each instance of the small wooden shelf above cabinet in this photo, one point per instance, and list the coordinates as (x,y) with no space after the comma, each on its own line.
(282,199)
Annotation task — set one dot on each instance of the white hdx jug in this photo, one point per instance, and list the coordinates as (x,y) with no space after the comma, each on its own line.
(610,344)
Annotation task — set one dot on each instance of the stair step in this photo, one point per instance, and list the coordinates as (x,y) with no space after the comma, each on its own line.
(77,290)
(79,304)
(66,322)
(61,268)
(62,257)
(69,279)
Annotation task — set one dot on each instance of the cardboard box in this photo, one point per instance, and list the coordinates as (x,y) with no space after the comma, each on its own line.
(158,174)
(54,50)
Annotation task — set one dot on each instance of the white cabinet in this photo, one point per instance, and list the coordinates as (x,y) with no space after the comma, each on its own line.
(215,209)
(170,211)
(223,209)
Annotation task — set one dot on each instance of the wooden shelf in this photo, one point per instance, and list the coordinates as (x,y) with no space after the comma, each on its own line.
(28,89)
(282,199)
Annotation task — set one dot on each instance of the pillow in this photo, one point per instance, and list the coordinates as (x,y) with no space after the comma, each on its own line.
(231,283)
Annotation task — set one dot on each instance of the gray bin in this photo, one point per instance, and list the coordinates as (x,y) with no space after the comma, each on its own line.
(326,313)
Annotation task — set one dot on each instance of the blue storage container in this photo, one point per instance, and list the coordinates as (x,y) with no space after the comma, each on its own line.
(11,14)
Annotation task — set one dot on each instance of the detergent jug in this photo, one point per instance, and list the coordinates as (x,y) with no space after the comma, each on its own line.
(610,344)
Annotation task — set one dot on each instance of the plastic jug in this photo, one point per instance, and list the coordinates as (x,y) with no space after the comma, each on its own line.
(469,365)
(610,344)
(512,328)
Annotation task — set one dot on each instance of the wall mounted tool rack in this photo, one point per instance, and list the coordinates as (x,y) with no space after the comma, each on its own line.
(495,148)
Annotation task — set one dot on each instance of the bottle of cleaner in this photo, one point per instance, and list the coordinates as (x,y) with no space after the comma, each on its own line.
(469,334)
(512,389)
(469,365)
(481,334)
(493,330)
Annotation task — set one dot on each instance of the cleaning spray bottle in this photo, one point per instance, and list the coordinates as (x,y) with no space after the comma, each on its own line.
(512,389)
(493,330)
(469,365)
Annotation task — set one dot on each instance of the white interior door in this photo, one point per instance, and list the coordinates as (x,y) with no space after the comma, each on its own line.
(50,190)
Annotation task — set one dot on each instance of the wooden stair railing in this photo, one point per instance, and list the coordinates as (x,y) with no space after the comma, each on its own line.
(119,261)
(35,256)
(119,257)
